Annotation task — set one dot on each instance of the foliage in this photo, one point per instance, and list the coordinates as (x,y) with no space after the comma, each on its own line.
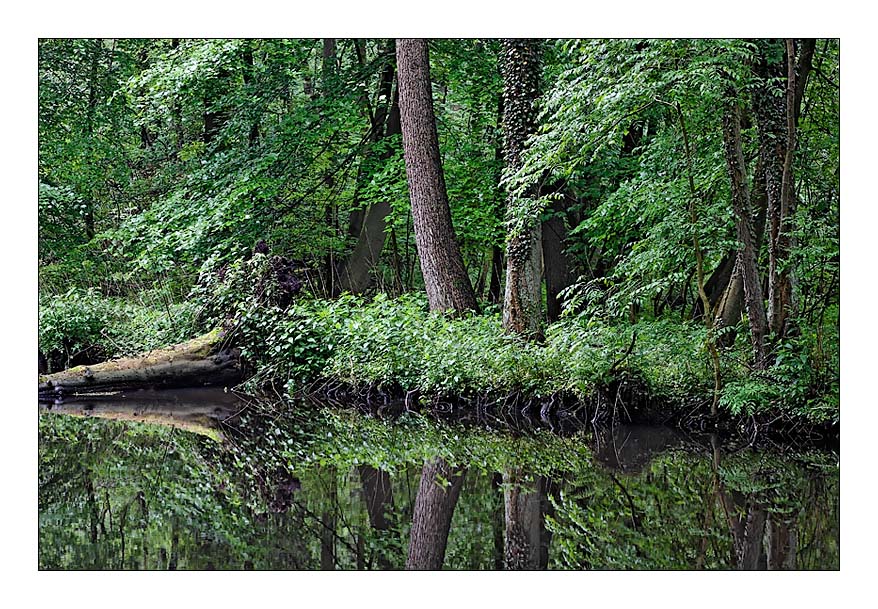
(82,323)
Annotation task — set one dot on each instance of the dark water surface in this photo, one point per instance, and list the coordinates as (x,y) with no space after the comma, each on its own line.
(200,479)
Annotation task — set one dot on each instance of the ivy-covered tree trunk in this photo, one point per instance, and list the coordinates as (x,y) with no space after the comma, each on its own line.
(777,101)
(731,125)
(437,497)
(522,304)
(445,278)
(775,144)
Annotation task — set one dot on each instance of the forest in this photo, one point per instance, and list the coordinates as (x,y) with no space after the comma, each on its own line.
(609,230)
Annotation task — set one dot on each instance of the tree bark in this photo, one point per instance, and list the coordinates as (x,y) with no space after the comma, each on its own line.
(522,303)
(728,302)
(774,147)
(445,278)
(434,506)
(737,170)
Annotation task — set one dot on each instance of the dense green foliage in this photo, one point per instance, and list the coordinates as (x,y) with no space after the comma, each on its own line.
(164,163)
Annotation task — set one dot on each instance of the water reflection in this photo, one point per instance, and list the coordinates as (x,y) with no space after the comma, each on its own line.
(125,484)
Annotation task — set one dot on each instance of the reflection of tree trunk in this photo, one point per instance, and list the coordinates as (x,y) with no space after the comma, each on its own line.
(93,517)
(527,541)
(327,531)
(782,544)
(497,519)
(746,521)
(434,506)
(175,547)
(378,493)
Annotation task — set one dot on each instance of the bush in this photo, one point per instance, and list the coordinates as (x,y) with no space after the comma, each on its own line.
(81,326)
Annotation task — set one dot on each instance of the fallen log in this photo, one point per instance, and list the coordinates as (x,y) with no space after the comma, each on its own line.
(202,361)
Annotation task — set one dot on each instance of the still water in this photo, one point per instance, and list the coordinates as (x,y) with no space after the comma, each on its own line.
(201,479)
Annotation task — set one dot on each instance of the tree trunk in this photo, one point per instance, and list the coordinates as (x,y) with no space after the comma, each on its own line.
(774,146)
(215,118)
(496,284)
(201,361)
(445,278)
(434,506)
(728,303)
(354,274)
(556,263)
(744,227)
(249,70)
(522,302)
(177,110)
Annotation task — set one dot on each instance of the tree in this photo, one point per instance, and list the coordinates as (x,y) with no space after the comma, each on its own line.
(445,278)
(368,226)
(522,302)
(737,171)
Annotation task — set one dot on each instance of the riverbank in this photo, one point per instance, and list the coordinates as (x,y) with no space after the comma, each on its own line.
(387,350)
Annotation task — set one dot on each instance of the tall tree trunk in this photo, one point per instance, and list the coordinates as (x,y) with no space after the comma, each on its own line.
(726,286)
(556,262)
(522,302)
(445,278)
(215,118)
(354,274)
(744,226)
(434,506)
(771,116)
(777,117)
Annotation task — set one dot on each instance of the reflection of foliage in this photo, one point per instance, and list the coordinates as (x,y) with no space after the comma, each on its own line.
(670,516)
(287,487)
